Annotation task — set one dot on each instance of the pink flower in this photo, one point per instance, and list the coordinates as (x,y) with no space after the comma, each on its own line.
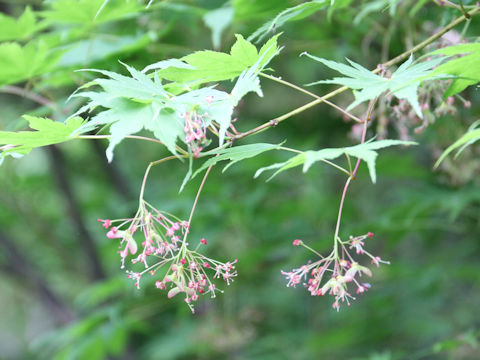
(203,241)
(297,242)
(106,223)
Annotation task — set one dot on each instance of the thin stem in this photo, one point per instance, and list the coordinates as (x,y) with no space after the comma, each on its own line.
(368,117)
(342,89)
(39,99)
(153,163)
(198,194)
(293,86)
(339,217)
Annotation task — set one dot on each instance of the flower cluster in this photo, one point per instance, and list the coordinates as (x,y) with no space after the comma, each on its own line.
(333,274)
(164,252)
(195,131)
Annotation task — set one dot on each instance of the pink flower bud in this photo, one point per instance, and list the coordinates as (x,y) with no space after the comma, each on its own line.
(203,241)
(297,242)
(183,261)
(370,234)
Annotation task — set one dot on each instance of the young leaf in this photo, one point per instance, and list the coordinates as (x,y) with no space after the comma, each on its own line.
(47,132)
(365,152)
(467,139)
(19,63)
(210,66)
(403,83)
(17,29)
(86,12)
(465,68)
(236,154)
(294,13)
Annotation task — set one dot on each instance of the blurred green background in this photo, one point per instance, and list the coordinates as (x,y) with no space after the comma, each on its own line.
(62,293)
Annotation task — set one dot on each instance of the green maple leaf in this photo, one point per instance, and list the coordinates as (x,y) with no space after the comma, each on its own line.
(403,84)
(466,69)
(140,101)
(365,152)
(21,28)
(19,63)
(210,66)
(47,132)
(86,12)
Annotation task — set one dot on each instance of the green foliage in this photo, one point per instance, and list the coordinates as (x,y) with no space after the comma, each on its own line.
(86,12)
(365,152)
(295,13)
(18,29)
(20,63)
(48,132)
(470,137)
(236,154)
(212,66)
(465,68)
(403,83)
(138,102)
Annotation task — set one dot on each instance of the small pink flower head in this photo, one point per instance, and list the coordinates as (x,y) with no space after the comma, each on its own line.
(343,263)
(160,285)
(113,233)
(297,242)
(376,261)
(467,104)
(206,265)
(203,241)
(370,234)
(183,261)
(106,223)
(363,287)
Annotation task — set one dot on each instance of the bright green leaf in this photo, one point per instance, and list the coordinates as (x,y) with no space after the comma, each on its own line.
(211,66)
(465,68)
(236,154)
(47,132)
(467,139)
(365,152)
(403,84)
(20,63)
(17,29)
(298,12)
(84,12)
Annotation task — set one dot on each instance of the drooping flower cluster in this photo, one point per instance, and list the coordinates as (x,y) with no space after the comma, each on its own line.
(164,252)
(195,131)
(333,275)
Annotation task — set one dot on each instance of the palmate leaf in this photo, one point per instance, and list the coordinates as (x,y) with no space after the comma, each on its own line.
(47,132)
(236,154)
(19,63)
(403,84)
(470,137)
(139,101)
(210,66)
(294,13)
(17,29)
(365,152)
(466,69)
(86,12)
